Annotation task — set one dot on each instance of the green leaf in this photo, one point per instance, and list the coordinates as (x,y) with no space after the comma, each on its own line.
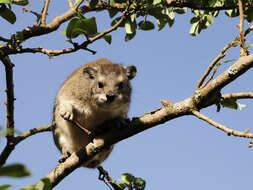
(212,3)
(129,37)
(241,106)
(5,1)
(117,186)
(108,38)
(161,23)
(30,187)
(8,15)
(146,25)
(43,184)
(19,36)
(156,2)
(229,103)
(89,25)
(78,26)
(64,32)
(73,24)
(116,20)
(112,13)
(93,3)
(209,19)
(180,10)
(126,178)
(229,60)
(4,187)
(14,170)
(194,19)
(195,29)
(171,18)
(21,2)
(249,14)
(139,184)
(215,13)
(232,13)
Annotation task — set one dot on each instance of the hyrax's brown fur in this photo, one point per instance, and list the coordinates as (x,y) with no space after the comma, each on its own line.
(92,94)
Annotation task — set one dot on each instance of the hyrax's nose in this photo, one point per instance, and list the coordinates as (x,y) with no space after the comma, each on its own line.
(110,98)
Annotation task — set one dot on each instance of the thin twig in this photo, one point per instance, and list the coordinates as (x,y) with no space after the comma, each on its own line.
(219,126)
(9,109)
(243,49)
(210,78)
(192,5)
(249,29)
(16,140)
(239,95)
(71,6)
(31,132)
(4,39)
(44,12)
(77,4)
(214,62)
(38,16)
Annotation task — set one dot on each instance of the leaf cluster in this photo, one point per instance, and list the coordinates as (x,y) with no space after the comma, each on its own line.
(128,181)
(81,25)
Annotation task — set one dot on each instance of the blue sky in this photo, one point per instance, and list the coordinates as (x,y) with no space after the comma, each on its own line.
(184,153)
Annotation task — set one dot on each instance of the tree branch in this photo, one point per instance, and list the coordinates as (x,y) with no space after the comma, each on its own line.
(115,135)
(44,12)
(71,6)
(219,126)
(214,62)
(31,132)
(9,109)
(76,47)
(249,29)
(243,49)
(181,4)
(239,95)
(11,146)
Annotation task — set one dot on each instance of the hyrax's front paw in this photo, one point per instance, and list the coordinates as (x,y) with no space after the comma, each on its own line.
(66,111)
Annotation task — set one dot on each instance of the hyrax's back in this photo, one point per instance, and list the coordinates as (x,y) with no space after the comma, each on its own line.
(92,94)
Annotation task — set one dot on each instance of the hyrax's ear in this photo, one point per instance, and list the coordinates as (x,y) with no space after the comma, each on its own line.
(89,72)
(131,71)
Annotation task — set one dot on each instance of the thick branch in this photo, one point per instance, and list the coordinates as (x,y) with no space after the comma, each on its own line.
(227,130)
(115,135)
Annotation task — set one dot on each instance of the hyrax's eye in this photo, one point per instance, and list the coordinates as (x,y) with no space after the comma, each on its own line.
(100,85)
(120,85)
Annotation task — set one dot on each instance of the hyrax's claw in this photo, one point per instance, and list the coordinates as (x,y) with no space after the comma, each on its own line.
(67,115)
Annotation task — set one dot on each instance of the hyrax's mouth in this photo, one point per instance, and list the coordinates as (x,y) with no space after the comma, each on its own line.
(109,101)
